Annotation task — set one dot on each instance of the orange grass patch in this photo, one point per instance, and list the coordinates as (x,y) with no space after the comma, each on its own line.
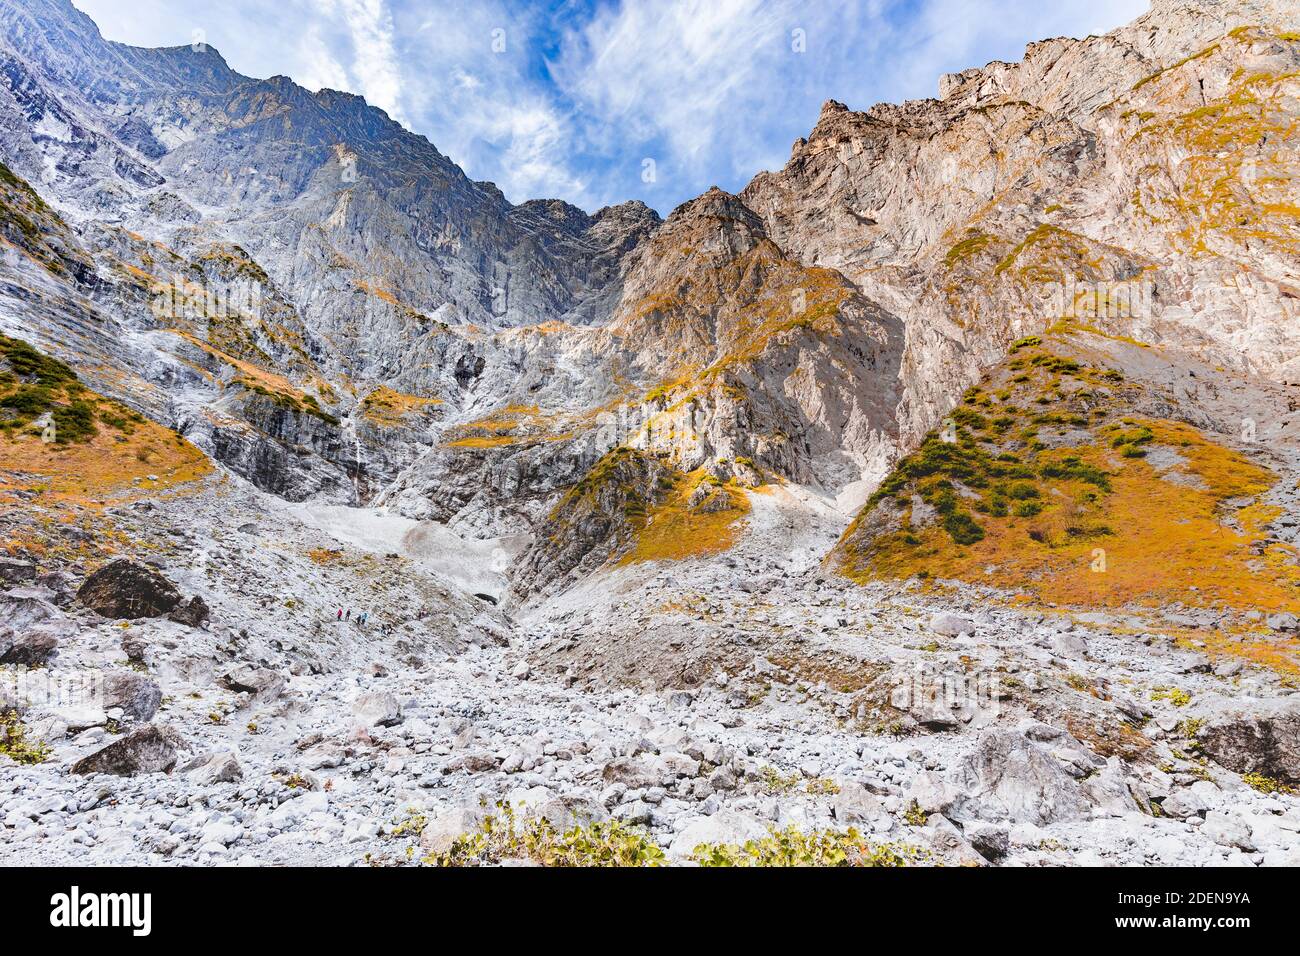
(107,467)
(674,530)
(1155,539)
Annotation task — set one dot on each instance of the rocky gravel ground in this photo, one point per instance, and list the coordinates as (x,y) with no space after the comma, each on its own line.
(703,701)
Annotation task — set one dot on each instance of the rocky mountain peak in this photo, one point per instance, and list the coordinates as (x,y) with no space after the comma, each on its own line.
(715,222)
(557,211)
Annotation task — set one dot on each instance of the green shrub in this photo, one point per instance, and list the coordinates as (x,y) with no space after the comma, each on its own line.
(969,419)
(1021,490)
(1265,784)
(14,743)
(791,847)
(74,422)
(29,363)
(1175,695)
(1138,436)
(963,528)
(914,816)
(775,782)
(1073,468)
(54,384)
(502,836)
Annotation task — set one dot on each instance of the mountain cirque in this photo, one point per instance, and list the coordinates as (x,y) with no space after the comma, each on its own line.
(941,484)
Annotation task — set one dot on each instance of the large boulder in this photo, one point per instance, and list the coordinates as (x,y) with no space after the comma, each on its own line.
(22,607)
(136,695)
(213,768)
(951,625)
(1256,737)
(1036,774)
(637,772)
(151,749)
(377,709)
(990,841)
(16,572)
(61,584)
(193,612)
(1228,829)
(442,829)
(566,811)
(127,590)
(325,755)
(31,627)
(32,648)
(855,804)
(949,843)
(261,682)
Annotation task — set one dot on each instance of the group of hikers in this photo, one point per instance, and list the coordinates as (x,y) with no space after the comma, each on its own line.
(363,617)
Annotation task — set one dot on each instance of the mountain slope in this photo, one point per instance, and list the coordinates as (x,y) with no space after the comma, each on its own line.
(1096,473)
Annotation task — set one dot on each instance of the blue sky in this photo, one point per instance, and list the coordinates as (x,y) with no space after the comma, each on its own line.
(571,98)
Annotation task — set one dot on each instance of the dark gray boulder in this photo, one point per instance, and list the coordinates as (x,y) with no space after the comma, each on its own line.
(127,590)
(151,749)
(1263,738)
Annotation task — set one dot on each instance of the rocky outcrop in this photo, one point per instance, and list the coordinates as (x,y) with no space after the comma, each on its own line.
(29,649)
(595,519)
(193,612)
(17,573)
(1036,774)
(726,828)
(377,709)
(980,214)
(756,360)
(1263,738)
(208,770)
(261,682)
(31,626)
(135,694)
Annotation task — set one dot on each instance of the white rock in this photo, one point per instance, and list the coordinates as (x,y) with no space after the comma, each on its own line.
(377,709)
(723,827)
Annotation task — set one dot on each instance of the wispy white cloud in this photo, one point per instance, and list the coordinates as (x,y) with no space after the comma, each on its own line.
(485,100)
(374,63)
(319,69)
(683,83)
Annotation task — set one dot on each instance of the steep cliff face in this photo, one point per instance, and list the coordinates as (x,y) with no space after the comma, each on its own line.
(722,354)
(1152,156)
(301,179)
(173,178)
(759,362)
